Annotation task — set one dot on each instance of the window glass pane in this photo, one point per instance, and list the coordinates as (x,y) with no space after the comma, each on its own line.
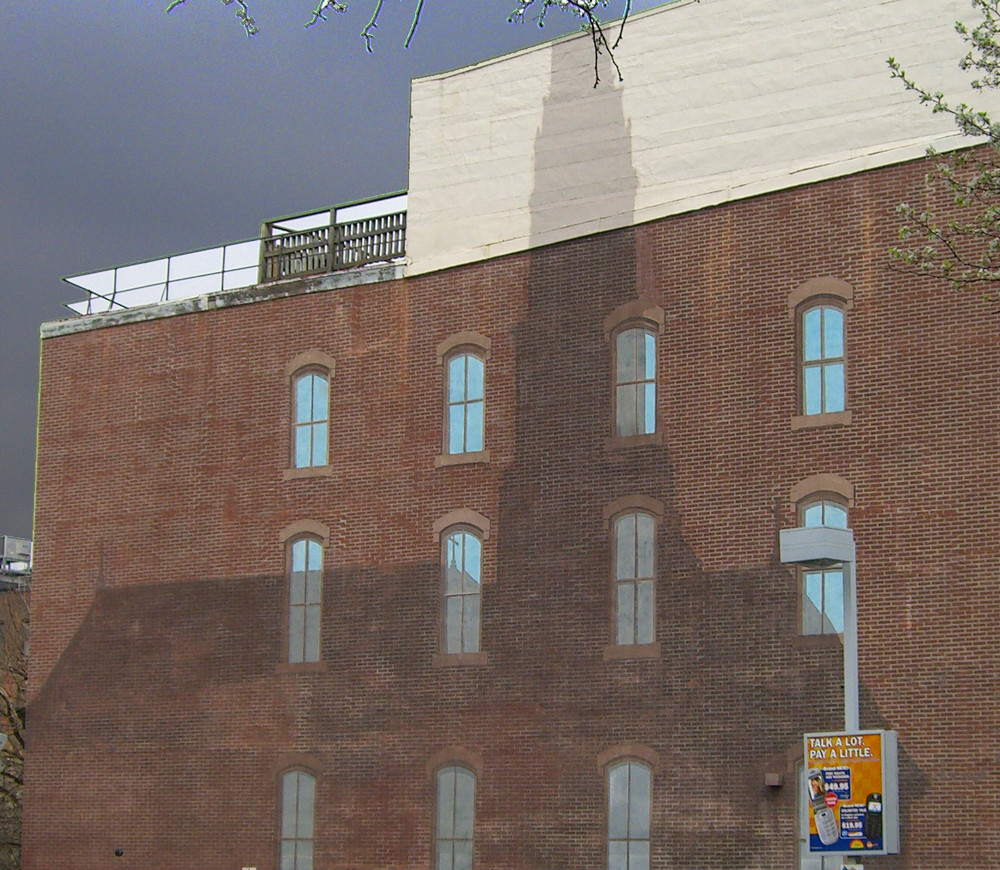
(833,375)
(289,802)
(626,613)
(297,588)
(313,587)
(618,802)
(834,515)
(463,855)
(813,390)
(833,333)
(812,603)
(320,397)
(454,559)
(625,410)
(625,547)
(474,368)
(638,858)
(311,646)
(303,446)
(644,612)
(303,399)
(833,599)
(649,357)
(319,440)
(647,400)
(465,801)
(444,856)
(626,352)
(314,555)
(617,855)
(811,334)
(456,378)
(813,515)
(638,810)
(470,623)
(296,633)
(446,802)
(473,562)
(307,791)
(456,429)
(304,855)
(453,624)
(644,533)
(299,556)
(474,427)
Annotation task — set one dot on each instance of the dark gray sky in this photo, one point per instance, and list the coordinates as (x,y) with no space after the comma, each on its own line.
(128,134)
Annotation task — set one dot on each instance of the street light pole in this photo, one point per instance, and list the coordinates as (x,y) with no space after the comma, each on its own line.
(823,547)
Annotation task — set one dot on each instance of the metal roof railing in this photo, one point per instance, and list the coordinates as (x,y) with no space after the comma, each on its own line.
(364,232)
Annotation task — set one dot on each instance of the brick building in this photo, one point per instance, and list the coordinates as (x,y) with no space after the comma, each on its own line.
(468,556)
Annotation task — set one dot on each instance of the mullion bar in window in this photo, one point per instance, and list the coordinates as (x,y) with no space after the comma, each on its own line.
(465,404)
(823,384)
(305,601)
(311,420)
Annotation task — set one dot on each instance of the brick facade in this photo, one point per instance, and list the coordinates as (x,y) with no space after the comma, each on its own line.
(160,714)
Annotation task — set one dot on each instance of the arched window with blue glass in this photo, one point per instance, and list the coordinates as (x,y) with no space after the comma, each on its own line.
(310,419)
(823,365)
(823,588)
(635,381)
(465,394)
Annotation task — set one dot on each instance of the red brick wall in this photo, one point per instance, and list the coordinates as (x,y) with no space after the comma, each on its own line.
(159,720)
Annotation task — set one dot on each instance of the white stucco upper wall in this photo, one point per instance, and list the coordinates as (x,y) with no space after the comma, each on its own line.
(722,99)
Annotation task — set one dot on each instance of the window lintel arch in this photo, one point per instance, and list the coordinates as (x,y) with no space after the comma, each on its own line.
(455,756)
(816,486)
(817,289)
(465,338)
(305,528)
(310,360)
(627,752)
(644,503)
(462,517)
(638,312)
(307,762)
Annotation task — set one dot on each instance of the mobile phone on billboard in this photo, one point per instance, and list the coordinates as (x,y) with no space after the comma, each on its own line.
(826,819)
(873,816)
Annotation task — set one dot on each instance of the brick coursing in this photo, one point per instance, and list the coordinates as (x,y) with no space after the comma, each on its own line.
(159,719)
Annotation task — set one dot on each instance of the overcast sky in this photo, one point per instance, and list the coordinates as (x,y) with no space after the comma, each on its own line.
(128,134)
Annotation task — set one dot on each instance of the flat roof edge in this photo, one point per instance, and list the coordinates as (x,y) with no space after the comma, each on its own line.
(378,274)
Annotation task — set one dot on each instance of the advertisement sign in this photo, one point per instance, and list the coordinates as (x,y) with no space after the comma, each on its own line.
(852,792)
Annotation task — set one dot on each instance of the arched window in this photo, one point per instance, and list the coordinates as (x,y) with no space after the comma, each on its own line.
(629,798)
(635,381)
(453,830)
(298,809)
(823,381)
(634,571)
(310,418)
(462,567)
(305,598)
(464,402)
(823,588)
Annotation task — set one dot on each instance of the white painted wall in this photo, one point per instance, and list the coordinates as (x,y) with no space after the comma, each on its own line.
(722,99)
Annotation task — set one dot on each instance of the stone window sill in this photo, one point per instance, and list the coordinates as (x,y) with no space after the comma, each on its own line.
(308,471)
(461,458)
(623,442)
(811,421)
(620,651)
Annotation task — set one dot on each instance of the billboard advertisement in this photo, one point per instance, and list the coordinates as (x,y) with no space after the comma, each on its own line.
(852,792)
